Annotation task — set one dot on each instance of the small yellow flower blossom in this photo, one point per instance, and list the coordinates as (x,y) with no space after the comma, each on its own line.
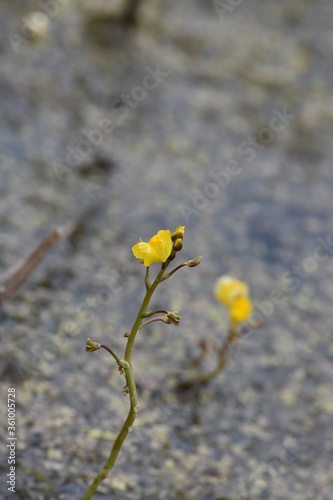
(234,295)
(240,310)
(157,250)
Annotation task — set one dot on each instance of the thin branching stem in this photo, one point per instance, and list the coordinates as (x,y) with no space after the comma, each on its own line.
(167,276)
(112,353)
(151,320)
(126,364)
(118,442)
(147,314)
(143,308)
(147,282)
(222,357)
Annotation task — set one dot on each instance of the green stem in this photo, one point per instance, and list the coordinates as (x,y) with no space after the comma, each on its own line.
(151,320)
(118,442)
(143,308)
(127,366)
(147,282)
(167,276)
(147,314)
(222,359)
(111,352)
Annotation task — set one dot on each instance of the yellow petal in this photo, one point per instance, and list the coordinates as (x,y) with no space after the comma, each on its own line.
(227,289)
(141,250)
(241,310)
(161,245)
(157,250)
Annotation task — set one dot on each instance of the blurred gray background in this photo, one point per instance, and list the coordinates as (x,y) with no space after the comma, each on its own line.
(217,116)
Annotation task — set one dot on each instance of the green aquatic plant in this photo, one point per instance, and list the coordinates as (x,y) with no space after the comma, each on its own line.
(161,248)
(234,295)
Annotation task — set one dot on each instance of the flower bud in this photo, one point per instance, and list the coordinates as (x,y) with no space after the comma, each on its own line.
(178,234)
(174,318)
(178,245)
(92,346)
(193,262)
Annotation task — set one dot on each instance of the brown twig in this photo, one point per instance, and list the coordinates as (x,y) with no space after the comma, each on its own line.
(13,279)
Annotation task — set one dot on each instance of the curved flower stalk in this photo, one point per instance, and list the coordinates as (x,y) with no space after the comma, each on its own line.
(161,248)
(234,295)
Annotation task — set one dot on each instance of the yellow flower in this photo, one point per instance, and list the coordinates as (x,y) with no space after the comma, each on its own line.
(233,294)
(227,289)
(157,250)
(240,310)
